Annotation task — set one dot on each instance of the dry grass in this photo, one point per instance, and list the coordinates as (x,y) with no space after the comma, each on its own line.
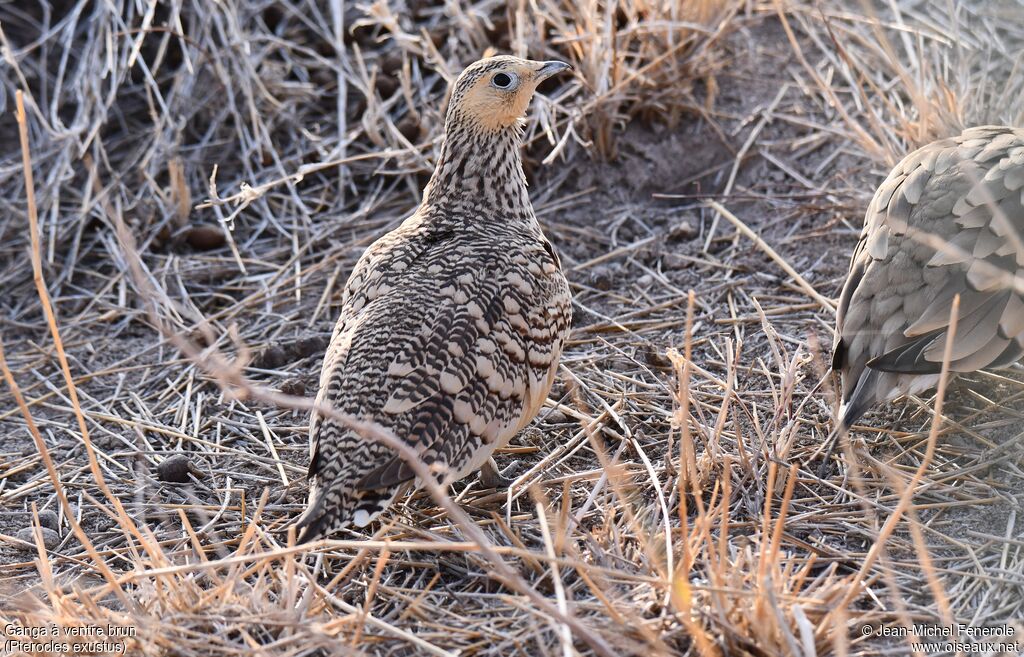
(911,73)
(665,503)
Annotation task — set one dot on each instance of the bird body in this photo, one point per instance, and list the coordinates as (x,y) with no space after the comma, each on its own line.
(452,324)
(948,221)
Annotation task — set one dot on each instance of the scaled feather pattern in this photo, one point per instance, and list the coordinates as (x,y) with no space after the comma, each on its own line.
(947,222)
(452,325)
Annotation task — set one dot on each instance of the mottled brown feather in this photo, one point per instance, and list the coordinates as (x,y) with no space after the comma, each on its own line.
(451,325)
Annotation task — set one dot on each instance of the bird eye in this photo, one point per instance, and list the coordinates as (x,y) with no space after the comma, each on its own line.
(504,80)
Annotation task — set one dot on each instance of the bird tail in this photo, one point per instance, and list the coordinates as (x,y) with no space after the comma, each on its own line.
(850,410)
(334,508)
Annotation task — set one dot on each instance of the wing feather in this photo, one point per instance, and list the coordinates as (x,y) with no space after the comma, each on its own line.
(965,191)
(448,374)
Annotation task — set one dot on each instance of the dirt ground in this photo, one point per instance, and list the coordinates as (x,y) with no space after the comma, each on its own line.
(635,237)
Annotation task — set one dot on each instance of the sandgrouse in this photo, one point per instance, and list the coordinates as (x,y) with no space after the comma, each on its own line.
(949,220)
(452,324)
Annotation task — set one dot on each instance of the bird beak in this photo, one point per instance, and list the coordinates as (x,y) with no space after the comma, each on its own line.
(548,69)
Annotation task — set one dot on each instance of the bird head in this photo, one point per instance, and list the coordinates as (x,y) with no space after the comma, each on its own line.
(493,93)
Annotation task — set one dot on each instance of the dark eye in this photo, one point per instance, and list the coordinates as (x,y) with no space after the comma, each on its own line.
(504,80)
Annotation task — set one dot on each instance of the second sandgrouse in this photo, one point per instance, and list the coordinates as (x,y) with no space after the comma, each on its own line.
(948,221)
(452,325)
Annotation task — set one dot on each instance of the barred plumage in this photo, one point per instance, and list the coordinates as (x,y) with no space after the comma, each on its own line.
(452,325)
(949,220)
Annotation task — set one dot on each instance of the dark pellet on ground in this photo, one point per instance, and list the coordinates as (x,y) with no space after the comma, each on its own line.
(205,237)
(386,85)
(51,539)
(410,128)
(311,346)
(294,387)
(49,520)
(174,469)
(270,358)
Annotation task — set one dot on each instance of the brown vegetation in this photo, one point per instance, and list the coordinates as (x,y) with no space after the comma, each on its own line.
(199,177)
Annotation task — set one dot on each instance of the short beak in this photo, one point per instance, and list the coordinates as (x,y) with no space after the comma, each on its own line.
(548,69)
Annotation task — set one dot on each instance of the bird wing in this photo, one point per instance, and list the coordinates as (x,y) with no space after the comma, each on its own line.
(441,348)
(337,350)
(434,372)
(948,221)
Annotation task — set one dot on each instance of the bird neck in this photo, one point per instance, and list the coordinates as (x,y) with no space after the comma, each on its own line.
(480,170)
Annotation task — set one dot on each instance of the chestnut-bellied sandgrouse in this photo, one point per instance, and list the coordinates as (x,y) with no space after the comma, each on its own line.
(452,324)
(948,221)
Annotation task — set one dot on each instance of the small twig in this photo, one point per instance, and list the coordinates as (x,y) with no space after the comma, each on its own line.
(826,304)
